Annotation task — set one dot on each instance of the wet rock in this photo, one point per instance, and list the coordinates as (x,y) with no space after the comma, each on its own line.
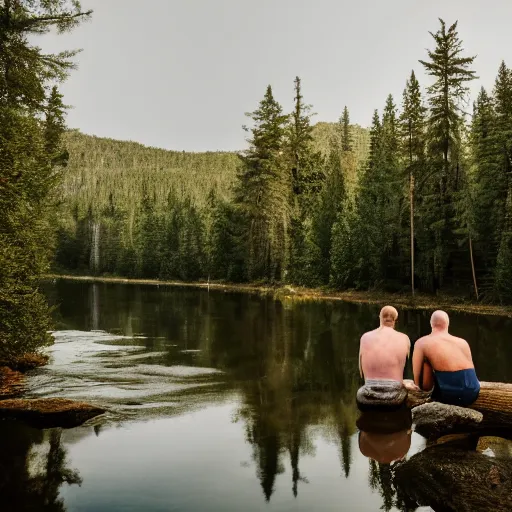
(452,479)
(48,412)
(433,420)
(495,447)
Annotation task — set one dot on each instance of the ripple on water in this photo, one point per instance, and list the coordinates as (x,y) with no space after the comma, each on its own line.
(121,374)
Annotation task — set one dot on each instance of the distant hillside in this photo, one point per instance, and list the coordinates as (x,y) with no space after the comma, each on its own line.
(102,170)
(322,133)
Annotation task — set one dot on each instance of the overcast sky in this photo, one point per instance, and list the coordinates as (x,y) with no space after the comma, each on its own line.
(179,74)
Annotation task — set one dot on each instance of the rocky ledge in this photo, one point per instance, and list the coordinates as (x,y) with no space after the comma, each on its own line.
(48,412)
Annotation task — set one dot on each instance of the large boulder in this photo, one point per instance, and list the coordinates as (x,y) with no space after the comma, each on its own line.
(49,412)
(433,420)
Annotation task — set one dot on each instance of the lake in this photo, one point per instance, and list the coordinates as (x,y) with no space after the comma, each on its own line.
(216,401)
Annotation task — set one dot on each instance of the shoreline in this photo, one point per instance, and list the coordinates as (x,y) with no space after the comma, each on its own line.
(424,302)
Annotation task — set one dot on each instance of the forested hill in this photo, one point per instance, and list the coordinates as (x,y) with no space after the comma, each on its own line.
(102,170)
(129,209)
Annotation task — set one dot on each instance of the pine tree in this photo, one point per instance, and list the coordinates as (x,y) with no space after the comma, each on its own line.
(331,202)
(26,170)
(379,206)
(307,180)
(412,131)
(451,71)
(54,128)
(503,141)
(346,141)
(263,192)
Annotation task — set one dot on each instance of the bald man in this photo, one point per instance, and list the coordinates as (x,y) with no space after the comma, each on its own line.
(383,352)
(443,362)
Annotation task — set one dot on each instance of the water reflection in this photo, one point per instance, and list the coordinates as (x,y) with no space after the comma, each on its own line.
(385,436)
(33,467)
(290,376)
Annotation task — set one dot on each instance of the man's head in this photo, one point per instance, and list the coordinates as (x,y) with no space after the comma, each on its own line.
(388,316)
(439,321)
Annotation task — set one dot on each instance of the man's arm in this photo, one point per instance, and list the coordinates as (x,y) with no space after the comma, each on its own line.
(408,346)
(417,362)
(361,344)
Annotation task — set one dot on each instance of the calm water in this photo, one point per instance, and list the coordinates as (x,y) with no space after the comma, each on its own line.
(216,402)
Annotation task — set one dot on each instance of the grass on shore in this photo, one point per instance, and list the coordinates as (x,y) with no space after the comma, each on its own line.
(295,293)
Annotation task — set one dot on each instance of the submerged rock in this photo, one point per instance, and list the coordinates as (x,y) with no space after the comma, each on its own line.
(49,412)
(434,419)
(451,479)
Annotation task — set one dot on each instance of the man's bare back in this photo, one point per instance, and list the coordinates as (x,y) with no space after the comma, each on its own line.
(439,352)
(384,351)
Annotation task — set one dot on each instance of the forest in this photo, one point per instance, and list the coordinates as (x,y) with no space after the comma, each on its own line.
(421,201)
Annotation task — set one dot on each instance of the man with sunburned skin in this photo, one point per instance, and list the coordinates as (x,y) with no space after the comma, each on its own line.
(383,352)
(443,362)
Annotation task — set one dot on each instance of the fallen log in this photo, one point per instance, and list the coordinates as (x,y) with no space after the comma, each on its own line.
(453,479)
(48,412)
(493,397)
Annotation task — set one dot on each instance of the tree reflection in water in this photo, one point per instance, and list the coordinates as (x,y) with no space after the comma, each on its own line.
(30,478)
(294,375)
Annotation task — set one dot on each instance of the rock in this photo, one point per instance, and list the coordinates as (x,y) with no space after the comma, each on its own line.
(453,479)
(48,412)
(381,394)
(433,420)
(495,446)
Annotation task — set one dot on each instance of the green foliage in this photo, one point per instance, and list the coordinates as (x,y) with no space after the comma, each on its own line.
(263,192)
(451,71)
(31,124)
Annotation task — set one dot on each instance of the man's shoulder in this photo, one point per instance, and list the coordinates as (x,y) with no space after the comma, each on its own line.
(424,340)
(367,336)
(459,340)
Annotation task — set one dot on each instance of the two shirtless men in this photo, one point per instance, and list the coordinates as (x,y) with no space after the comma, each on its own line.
(440,361)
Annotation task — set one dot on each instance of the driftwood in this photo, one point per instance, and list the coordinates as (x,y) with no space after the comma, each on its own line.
(452,479)
(48,412)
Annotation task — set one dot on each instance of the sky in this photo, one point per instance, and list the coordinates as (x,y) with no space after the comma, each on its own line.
(180,74)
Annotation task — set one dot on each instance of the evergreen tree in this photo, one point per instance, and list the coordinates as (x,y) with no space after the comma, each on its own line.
(263,193)
(331,201)
(451,71)
(55,126)
(307,179)
(26,171)
(412,131)
(503,141)
(346,141)
(489,185)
